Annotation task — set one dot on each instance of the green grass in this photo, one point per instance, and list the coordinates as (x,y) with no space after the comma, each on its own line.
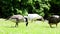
(7,27)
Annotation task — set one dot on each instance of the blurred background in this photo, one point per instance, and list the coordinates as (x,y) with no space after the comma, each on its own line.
(44,8)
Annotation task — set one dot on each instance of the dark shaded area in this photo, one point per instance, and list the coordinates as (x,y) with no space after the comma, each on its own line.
(30,8)
(55,8)
(46,13)
(36,5)
(22,5)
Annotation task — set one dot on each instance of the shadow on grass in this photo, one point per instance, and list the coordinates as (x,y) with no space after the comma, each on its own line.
(13,27)
(10,27)
(48,27)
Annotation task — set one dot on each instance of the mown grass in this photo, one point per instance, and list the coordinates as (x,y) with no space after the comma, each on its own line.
(38,27)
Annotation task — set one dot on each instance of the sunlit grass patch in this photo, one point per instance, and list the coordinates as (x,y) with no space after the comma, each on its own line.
(37,27)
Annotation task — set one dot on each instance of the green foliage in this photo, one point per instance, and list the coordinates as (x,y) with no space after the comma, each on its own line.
(19,11)
(24,12)
(23,7)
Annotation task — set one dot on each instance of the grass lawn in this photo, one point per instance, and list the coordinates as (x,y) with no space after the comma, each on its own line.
(7,27)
